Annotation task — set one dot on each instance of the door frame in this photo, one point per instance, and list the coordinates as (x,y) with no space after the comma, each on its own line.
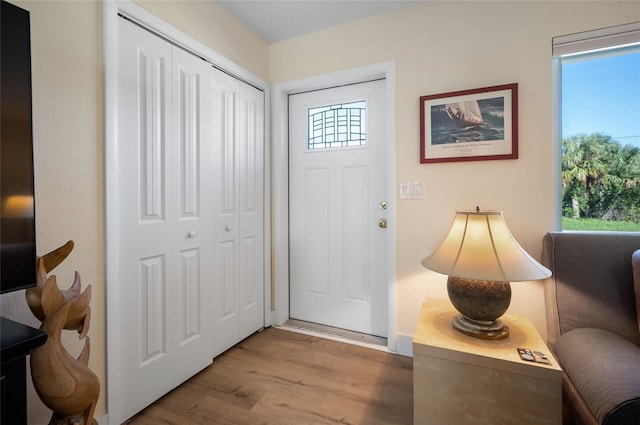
(111,10)
(280,177)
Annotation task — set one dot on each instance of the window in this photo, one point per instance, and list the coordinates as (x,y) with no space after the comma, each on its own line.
(337,126)
(600,88)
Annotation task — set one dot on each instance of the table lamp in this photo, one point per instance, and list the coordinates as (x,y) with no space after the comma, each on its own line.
(481,257)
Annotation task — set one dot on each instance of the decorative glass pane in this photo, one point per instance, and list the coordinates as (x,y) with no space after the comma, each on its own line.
(337,126)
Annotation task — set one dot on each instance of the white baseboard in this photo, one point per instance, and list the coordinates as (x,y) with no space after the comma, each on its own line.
(405,345)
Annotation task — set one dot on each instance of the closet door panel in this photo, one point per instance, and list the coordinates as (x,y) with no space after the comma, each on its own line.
(239,295)
(225,299)
(250,159)
(193,229)
(145,245)
(189,239)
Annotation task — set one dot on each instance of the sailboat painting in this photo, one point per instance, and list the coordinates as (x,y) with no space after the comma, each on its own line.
(467,121)
(464,114)
(469,125)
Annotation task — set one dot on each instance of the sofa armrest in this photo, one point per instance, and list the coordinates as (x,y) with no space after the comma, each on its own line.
(635,265)
(550,300)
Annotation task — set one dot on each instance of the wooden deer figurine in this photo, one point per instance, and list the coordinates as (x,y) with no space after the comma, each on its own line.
(65,385)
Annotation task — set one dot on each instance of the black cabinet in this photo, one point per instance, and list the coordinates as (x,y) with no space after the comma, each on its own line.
(18,341)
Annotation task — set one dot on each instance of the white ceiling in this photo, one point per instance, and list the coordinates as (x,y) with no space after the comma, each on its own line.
(277,20)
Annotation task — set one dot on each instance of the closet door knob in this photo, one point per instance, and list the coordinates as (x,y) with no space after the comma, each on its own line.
(227,228)
(191,234)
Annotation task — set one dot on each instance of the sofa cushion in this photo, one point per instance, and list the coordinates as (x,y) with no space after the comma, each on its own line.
(605,369)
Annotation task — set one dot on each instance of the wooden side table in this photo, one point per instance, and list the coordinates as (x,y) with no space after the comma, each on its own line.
(458,379)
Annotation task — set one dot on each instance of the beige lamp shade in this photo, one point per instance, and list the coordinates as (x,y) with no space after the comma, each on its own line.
(480,246)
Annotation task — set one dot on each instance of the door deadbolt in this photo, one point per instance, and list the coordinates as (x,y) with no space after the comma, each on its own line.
(382,223)
(383,205)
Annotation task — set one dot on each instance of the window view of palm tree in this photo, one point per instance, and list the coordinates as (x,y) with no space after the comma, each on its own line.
(601,140)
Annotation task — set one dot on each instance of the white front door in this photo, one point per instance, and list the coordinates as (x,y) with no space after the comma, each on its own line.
(337,207)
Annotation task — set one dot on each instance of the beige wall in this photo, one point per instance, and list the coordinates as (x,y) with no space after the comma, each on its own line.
(446,46)
(213,26)
(490,43)
(67,81)
(66,55)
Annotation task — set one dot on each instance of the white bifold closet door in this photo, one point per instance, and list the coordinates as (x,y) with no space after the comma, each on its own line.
(238,186)
(190,223)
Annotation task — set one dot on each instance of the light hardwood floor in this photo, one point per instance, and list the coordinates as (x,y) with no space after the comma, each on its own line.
(278,377)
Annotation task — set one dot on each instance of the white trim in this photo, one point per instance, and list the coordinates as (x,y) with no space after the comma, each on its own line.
(112,266)
(556,137)
(280,168)
(111,10)
(602,38)
(405,345)
(334,338)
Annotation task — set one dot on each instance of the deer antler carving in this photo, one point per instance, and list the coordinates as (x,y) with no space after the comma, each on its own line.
(66,385)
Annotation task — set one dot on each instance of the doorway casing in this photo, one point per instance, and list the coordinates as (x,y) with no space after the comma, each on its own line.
(280,183)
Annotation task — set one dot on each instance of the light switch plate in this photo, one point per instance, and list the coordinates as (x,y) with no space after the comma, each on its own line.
(411,190)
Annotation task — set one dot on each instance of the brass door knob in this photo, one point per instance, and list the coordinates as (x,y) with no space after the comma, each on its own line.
(382,223)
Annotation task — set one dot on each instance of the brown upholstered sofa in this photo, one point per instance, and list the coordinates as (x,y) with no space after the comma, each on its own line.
(593,324)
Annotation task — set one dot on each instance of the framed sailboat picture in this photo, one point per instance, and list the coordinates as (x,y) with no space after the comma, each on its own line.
(469,125)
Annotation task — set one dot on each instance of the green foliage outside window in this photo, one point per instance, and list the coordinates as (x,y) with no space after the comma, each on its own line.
(600,184)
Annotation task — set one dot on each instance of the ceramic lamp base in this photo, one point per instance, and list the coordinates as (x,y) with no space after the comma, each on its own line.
(491,330)
(481,303)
